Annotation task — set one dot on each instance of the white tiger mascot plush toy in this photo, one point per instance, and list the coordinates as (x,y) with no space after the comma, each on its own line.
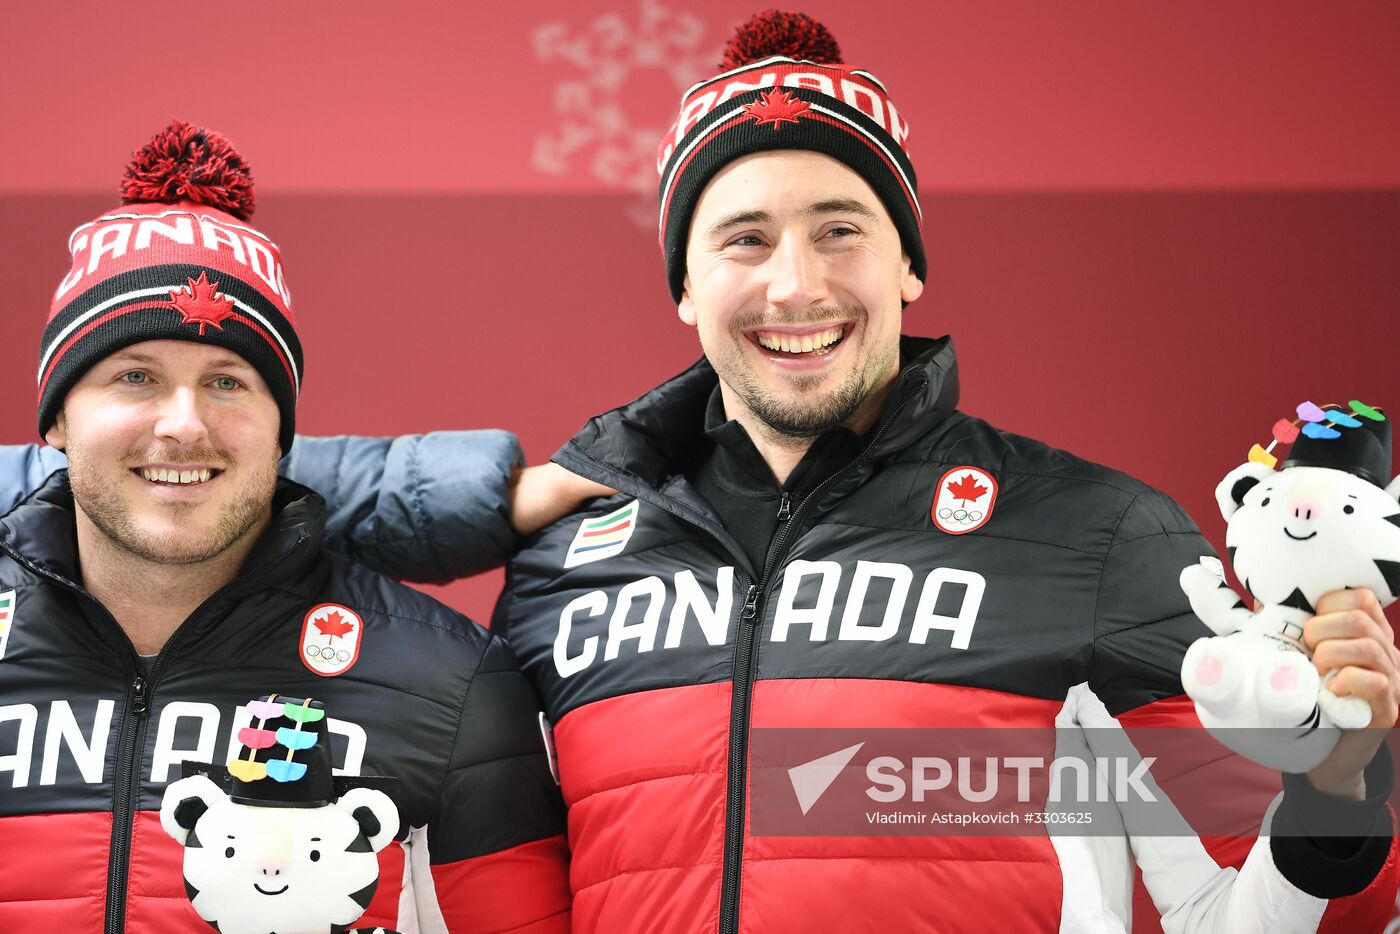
(283,847)
(1323,522)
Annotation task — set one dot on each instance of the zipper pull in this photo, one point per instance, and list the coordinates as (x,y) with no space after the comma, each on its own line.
(750,603)
(785,508)
(138,702)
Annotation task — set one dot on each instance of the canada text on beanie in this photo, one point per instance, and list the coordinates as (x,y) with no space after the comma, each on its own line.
(178,261)
(783,86)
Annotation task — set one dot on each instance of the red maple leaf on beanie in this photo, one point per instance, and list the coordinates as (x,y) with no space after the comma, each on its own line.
(777,107)
(200,303)
(334,625)
(966,489)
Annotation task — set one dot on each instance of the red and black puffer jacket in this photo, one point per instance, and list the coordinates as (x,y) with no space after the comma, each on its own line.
(89,739)
(663,656)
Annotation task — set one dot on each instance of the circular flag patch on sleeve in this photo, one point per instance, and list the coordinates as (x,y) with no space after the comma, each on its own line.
(963,499)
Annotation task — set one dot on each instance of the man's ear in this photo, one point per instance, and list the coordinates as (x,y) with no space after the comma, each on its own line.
(57,435)
(910,285)
(685,309)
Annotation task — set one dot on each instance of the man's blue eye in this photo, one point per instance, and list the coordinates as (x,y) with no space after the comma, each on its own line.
(226,382)
(135,377)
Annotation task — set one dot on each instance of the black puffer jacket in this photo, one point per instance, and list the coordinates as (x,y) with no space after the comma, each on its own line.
(88,742)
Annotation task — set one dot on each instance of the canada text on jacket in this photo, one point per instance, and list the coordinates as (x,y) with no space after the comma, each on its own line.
(806,605)
(76,736)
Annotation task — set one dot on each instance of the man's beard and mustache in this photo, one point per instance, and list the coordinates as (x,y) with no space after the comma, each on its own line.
(796,415)
(95,492)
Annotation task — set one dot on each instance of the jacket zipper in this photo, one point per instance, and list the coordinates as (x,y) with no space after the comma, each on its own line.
(127,777)
(123,813)
(118,866)
(132,736)
(741,696)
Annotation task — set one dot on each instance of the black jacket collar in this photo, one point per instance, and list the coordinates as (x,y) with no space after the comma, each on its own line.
(637,449)
(39,533)
(641,443)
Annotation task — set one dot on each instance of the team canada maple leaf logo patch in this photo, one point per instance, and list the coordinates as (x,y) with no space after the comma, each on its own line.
(330,639)
(200,303)
(963,499)
(776,108)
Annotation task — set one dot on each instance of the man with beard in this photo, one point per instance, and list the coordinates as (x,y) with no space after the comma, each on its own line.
(808,533)
(169,575)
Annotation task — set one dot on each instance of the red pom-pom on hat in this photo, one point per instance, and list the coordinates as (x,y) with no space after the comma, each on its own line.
(189,163)
(775,32)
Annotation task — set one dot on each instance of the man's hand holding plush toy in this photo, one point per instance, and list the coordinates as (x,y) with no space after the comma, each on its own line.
(1353,646)
(1294,682)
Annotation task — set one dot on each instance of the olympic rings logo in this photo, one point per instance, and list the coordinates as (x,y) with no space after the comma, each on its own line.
(963,516)
(326,653)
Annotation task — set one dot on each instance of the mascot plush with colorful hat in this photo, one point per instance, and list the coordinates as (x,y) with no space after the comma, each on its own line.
(274,843)
(1327,519)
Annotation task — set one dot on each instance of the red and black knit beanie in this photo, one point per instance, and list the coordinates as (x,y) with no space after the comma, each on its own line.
(177,262)
(783,86)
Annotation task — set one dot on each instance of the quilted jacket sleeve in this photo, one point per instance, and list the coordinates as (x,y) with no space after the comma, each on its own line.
(431,507)
(496,851)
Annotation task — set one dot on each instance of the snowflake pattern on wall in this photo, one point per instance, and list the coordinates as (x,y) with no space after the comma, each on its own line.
(612,114)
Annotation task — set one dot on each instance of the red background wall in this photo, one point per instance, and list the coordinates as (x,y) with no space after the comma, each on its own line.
(1152,228)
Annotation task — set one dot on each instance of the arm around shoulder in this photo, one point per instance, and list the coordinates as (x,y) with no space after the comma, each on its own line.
(432,507)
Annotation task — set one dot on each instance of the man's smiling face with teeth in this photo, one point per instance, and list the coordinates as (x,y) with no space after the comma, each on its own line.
(794,279)
(818,344)
(172,449)
(176,475)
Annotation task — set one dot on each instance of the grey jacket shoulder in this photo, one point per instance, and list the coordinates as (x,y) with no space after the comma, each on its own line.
(431,507)
(23,469)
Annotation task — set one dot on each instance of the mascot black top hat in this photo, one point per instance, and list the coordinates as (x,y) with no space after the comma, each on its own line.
(1356,442)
